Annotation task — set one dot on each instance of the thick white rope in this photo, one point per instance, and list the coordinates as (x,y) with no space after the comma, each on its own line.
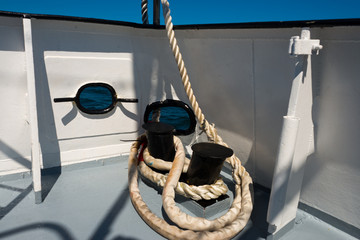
(160,164)
(221,228)
(144,12)
(196,193)
(204,124)
(208,128)
(224,227)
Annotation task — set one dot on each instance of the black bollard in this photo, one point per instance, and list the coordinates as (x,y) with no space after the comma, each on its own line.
(206,163)
(160,140)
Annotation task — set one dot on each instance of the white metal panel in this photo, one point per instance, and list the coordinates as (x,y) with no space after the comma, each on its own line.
(157,71)
(331,181)
(68,71)
(90,47)
(14,122)
(274,70)
(14,125)
(12,37)
(221,75)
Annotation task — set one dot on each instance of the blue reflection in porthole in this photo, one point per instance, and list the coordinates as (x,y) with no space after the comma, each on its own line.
(175,116)
(96,98)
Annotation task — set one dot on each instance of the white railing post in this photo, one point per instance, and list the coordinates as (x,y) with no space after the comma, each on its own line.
(296,142)
(31,85)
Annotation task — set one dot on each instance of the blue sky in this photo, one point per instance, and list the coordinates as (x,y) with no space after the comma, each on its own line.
(192,11)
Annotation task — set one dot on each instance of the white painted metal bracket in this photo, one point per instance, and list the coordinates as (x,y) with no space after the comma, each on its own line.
(31,84)
(296,142)
(304,45)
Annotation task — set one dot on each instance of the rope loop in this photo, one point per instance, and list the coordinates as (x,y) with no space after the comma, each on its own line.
(206,192)
(224,227)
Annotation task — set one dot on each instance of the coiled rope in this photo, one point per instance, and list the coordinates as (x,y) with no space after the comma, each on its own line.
(224,227)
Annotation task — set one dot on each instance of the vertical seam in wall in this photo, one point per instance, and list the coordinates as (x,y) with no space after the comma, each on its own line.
(254,108)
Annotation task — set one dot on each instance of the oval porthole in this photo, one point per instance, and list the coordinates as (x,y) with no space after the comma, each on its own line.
(172,112)
(95,98)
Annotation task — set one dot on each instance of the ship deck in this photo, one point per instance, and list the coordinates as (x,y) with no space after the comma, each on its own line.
(93,202)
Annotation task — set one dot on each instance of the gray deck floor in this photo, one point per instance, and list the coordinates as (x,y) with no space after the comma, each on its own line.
(93,203)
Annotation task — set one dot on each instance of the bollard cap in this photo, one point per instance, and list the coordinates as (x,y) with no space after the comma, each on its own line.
(212,150)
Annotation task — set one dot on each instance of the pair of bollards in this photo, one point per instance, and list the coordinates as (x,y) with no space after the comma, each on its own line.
(206,161)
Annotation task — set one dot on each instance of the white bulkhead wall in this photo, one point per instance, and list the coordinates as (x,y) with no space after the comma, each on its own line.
(69,55)
(331,180)
(15,146)
(241,78)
